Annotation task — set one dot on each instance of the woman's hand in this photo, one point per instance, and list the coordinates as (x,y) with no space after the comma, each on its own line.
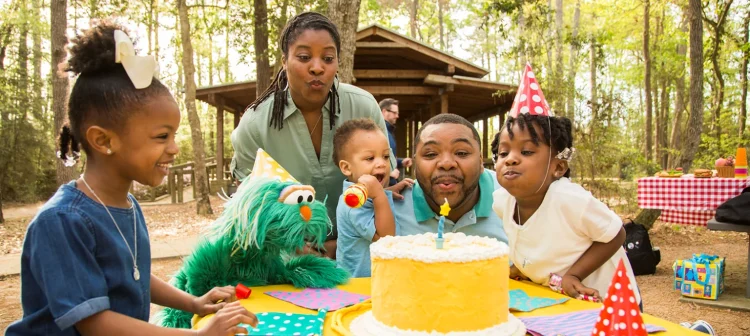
(573,287)
(227,320)
(397,188)
(213,301)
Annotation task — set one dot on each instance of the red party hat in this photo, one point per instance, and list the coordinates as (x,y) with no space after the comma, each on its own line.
(620,315)
(529,98)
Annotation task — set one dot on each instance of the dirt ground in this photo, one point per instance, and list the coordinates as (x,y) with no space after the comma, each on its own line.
(675,242)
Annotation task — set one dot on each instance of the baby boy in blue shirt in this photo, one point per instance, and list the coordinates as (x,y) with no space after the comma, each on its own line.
(363,155)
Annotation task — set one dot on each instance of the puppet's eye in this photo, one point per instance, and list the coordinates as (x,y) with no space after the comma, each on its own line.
(299,196)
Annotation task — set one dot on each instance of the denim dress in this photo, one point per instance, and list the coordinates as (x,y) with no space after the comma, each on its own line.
(75,264)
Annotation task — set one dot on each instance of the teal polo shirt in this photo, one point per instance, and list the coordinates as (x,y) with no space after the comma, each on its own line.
(479,221)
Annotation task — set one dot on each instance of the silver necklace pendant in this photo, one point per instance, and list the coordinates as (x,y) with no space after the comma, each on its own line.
(136,274)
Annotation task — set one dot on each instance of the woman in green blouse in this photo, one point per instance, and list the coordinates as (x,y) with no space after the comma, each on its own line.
(295,118)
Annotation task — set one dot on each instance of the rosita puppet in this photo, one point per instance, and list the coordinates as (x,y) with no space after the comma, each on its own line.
(254,240)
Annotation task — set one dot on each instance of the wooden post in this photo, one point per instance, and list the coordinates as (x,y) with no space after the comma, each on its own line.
(171,186)
(180,186)
(443,103)
(192,181)
(152,191)
(236,118)
(220,139)
(485,137)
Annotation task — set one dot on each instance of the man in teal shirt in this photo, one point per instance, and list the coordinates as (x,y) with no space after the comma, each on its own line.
(448,166)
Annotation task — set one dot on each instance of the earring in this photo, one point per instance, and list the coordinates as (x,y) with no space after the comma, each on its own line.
(286,75)
(109,151)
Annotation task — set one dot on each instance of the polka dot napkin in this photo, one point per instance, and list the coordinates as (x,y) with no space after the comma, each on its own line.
(317,298)
(521,301)
(287,324)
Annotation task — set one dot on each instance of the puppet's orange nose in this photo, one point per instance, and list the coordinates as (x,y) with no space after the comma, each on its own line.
(305,212)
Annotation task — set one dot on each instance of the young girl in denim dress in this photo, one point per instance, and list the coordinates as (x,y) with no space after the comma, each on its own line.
(86,263)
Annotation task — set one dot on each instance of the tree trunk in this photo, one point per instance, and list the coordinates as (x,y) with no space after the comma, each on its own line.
(58,26)
(345,14)
(262,66)
(647,81)
(695,122)
(521,42)
(227,75)
(412,18)
(279,28)
(156,30)
(549,50)
(201,180)
(663,122)
(571,96)
(594,104)
(558,102)
(743,74)
(440,23)
(676,138)
(717,29)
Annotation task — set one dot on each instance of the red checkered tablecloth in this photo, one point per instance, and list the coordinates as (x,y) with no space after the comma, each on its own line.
(691,201)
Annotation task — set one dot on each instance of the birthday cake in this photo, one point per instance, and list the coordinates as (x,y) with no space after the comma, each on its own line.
(418,289)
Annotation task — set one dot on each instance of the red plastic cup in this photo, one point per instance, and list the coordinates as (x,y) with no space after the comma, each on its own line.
(242,291)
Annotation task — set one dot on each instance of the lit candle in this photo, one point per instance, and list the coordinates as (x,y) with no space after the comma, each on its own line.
(444,210)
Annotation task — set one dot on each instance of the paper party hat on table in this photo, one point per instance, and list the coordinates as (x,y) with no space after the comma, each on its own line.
(265,166)
(529,98)
(620,315)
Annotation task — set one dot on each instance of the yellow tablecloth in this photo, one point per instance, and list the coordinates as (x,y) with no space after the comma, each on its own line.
(259,302)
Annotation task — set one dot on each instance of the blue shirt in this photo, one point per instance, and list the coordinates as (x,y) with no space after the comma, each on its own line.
(479,221)
(75,264)
(356,227)
(392,142)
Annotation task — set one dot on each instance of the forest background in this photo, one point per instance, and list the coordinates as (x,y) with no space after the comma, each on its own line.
(650,84)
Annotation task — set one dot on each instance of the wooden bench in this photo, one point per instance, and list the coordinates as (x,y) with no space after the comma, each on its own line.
(720,226)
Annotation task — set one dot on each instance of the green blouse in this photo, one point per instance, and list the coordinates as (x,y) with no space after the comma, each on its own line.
(292,146)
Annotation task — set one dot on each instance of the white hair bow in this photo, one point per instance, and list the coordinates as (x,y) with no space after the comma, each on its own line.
(140,69)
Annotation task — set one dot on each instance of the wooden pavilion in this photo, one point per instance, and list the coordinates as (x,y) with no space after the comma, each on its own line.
(424,80)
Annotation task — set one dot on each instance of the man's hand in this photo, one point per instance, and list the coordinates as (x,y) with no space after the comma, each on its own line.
(397,188)
(395,173)
(406,162)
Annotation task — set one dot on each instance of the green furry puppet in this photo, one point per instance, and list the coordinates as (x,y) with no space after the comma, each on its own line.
(253,242)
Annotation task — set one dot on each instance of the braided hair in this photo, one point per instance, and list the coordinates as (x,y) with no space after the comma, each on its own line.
(103,94)
(561,130)
(293,29)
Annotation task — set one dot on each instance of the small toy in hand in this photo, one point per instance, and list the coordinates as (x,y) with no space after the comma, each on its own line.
(242,292)
(356,195)
(555,283)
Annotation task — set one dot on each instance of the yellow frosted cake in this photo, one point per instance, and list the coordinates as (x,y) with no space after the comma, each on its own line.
(417,289)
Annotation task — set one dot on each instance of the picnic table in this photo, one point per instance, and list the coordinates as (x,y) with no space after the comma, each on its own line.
(259,302)
(687,200)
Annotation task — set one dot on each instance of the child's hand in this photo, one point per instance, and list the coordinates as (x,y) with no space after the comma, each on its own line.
(397,188)
(516,274)
(226,321)
(573,287)
(374,188)
(209,302)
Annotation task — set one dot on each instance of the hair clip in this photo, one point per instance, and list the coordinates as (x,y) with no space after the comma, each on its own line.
(566,154)
(140,69)
(69,160)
